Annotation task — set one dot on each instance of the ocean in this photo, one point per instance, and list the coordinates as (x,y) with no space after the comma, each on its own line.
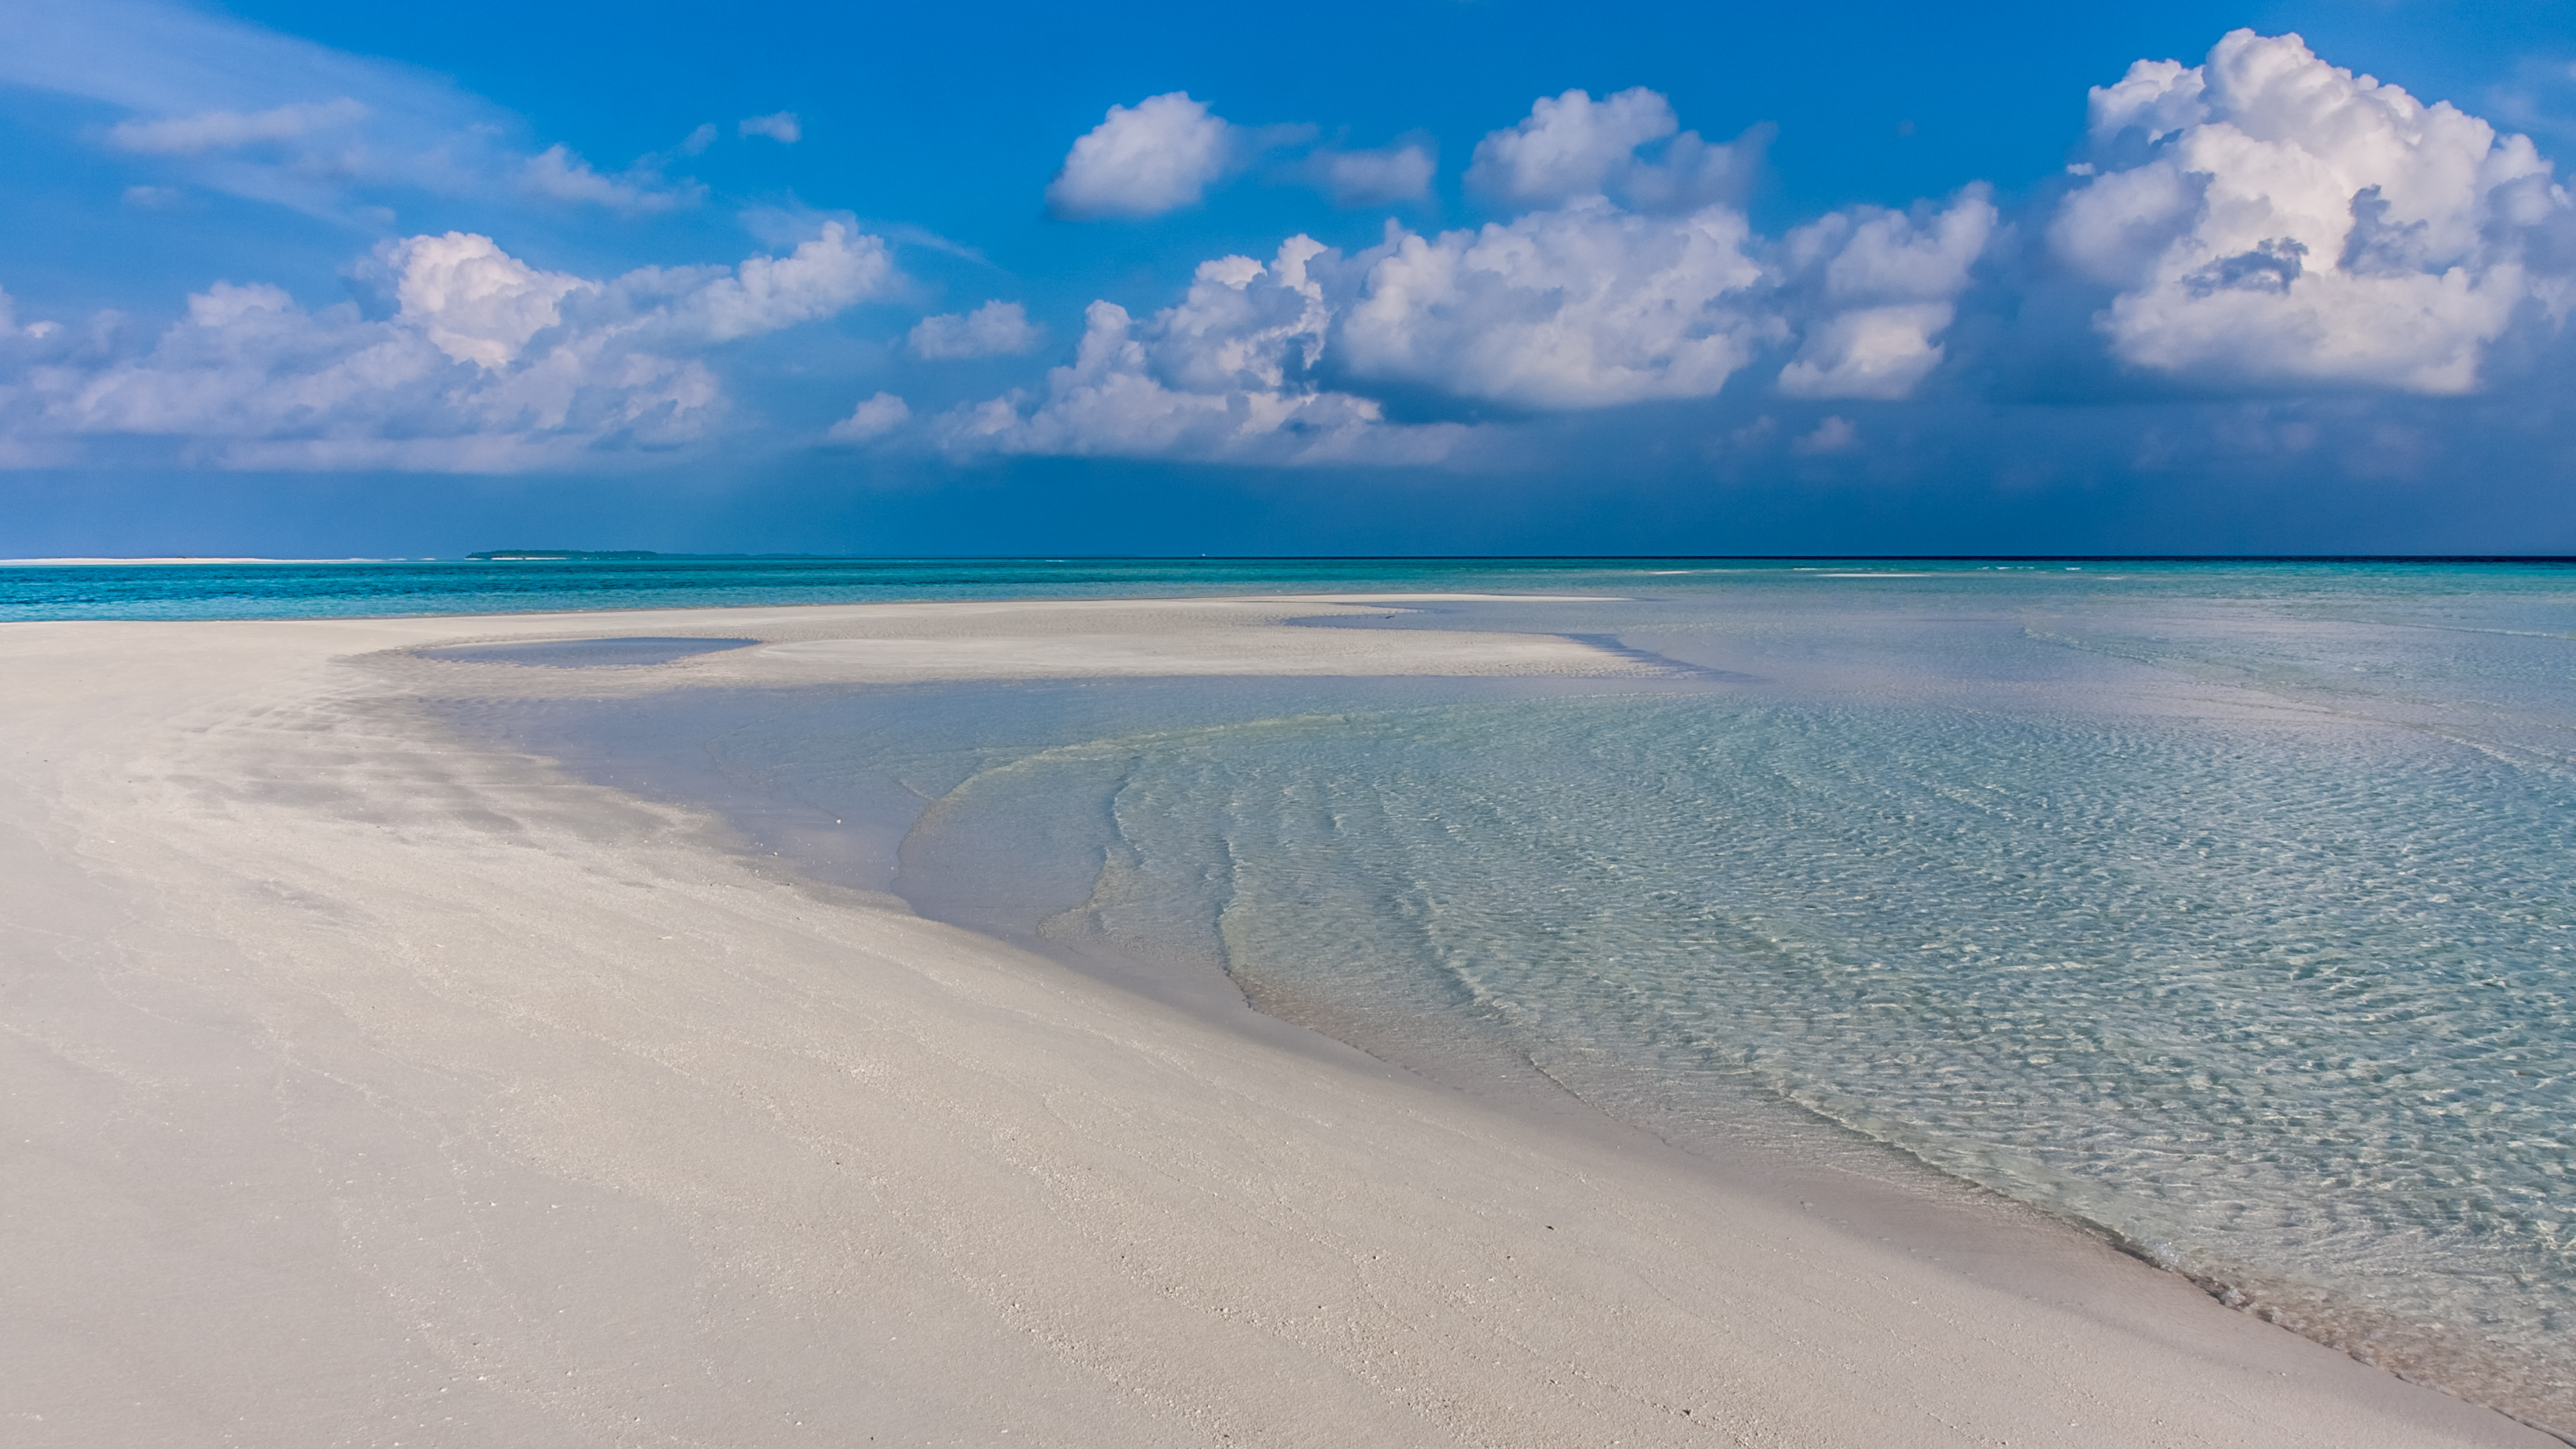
(362,587)
(2221,907)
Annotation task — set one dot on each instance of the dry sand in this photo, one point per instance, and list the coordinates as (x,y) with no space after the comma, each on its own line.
(364,1088)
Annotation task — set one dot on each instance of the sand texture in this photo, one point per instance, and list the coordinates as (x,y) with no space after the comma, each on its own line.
(365,1088)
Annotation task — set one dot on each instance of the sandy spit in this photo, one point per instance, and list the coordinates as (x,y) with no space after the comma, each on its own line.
(361,1088)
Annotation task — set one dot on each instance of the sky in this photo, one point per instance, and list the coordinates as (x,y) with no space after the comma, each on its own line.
(1407,277)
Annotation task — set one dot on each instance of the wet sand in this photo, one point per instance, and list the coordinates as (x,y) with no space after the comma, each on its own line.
(365,1086)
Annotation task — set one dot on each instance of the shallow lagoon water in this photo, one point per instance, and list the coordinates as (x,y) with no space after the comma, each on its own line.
(621,653)
(2226,911)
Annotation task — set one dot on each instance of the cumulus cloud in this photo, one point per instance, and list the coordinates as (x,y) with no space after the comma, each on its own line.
(474,301)
(1157,156)
(1225,375)
(996,329)
(249,379)
(1572,146)
(1584,306)
(782,128)
(1887,283)
(2293,223)
(1607,298)
(1401,172)
(873,418)
(487,363)
(1873,352)
(1166,151)
(837,269)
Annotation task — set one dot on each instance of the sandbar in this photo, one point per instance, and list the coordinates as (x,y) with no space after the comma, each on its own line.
(365,1085)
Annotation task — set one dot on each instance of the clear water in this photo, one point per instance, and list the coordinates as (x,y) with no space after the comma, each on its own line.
(2257,956)
(2227,908)
(2291,1012)
(637,651)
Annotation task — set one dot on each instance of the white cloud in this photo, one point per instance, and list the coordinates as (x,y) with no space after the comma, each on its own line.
(1161,154)
(1633,283)
(1870,352)
(475,302)
(837,269)
(873,418)
(1223,376)
(1888,280)
(249,379)
(697,141)
(227,130)
(488,364)
(782,127)
(2157,97)
(558,173)
(1572,146)
(1871,254)
(2118,224)
(1592,303)
(1400,172)
(996,329)
(1587,306)
(2295,223)
(1245,327)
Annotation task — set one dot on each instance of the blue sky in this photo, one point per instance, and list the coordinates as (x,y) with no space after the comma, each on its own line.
(1411,276)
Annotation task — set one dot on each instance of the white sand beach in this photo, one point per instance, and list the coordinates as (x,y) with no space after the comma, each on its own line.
(364,1087)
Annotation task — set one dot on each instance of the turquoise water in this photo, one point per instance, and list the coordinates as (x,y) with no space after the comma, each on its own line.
(362,588)
(2226,908)
(2287,1009)
(354,589)
(2232,917)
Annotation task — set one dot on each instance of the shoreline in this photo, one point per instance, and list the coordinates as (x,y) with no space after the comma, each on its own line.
(377,1036)
(1012,884)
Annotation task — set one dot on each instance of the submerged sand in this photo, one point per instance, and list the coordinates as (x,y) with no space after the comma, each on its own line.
(364,1086)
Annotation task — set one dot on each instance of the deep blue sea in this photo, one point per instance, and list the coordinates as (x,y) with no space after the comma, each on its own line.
(2226,907)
